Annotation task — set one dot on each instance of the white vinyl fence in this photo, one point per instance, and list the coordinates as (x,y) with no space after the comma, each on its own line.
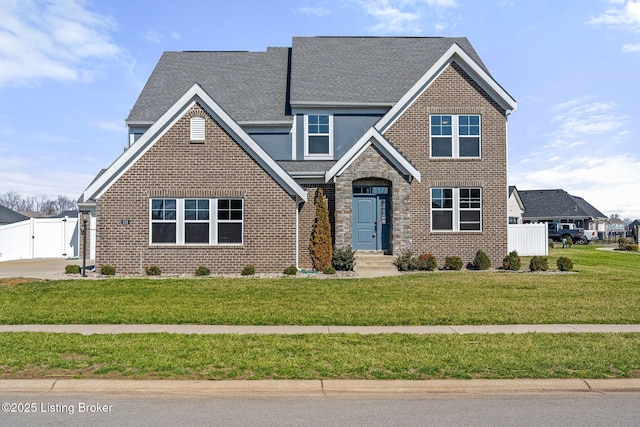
(44,238)
(528,239)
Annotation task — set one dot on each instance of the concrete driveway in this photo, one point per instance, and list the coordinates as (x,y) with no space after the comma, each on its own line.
(43,268)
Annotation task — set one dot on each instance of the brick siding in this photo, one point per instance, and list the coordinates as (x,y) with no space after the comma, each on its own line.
(174,167)
(454,92)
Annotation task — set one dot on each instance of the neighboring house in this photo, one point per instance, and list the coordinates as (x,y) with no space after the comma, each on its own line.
(516,207)
(615,227)
(407,137)
(560,206)
(9,216)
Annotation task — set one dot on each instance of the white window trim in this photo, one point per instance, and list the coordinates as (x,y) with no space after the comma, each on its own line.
(308,156)
(455,209)
(180,222)
(455,138)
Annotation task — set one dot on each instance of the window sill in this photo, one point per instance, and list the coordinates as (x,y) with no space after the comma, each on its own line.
(195,246)
(196,141)
(455,159)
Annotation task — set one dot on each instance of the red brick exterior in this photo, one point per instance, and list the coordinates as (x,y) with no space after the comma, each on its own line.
(174,167)
(454,92)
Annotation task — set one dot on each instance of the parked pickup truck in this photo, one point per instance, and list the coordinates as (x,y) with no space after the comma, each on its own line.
(557,233)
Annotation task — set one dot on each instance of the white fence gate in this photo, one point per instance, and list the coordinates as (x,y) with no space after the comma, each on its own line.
(44,238)
(528,239)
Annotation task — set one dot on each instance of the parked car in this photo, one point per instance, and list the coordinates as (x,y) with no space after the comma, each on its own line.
(559,231)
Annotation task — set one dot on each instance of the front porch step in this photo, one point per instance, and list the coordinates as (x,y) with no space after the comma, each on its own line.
(373,261)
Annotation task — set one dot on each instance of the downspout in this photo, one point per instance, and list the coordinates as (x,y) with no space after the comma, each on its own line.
(298,205)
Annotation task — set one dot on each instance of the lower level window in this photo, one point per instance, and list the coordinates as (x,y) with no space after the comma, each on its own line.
(456,209)
(197,221)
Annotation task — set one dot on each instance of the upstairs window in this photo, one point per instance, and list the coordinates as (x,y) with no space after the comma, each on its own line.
(455,136)
(197,129)
(318,136)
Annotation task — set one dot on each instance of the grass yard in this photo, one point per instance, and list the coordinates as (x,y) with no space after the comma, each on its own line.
(605,288)
(217,357)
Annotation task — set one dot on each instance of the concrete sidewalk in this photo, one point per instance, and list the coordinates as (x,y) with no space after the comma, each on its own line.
(313,388)
(296,330)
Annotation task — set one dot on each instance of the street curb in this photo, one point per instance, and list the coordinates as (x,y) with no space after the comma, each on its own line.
(317,388)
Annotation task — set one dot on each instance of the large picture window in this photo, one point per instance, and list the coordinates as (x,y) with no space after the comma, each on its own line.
(455,136)
(197,221)
(456,209)
(318,136)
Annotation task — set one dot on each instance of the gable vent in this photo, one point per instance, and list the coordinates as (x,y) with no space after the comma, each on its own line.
(197,129)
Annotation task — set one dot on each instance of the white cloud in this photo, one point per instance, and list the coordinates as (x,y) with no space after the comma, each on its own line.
(577,120)
(52,40)
(626,17)
(153,36)
(406,16)
(314,11)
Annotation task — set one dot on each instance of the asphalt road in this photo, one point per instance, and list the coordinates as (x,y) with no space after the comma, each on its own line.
(573,409)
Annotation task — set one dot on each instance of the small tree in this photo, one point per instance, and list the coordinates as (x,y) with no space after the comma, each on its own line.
(320,246)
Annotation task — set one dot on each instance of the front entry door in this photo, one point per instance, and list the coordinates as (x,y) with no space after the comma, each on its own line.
(365,222)
(370,223)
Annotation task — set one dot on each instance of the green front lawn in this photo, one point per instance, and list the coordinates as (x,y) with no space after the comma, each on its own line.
(605,288)
(414,357)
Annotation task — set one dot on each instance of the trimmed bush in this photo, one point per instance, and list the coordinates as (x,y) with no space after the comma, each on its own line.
(329,270)
(453,263)
(539,263)
(107,270)
(291,270)
(564,264)
(343,259)
(512,261)
(202,271)
(427,262)
(153,270)
(403,261)
(249,270)
(481,261)
(632,247)
(622,243)
(72,269)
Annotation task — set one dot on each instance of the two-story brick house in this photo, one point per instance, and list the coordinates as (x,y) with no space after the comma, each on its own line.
(407,137)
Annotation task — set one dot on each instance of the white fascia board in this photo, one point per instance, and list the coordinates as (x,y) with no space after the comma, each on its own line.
(454,54)
(165,122)
(372,137)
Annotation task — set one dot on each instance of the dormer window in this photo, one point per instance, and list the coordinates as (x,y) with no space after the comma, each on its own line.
(197,129)
(318,142)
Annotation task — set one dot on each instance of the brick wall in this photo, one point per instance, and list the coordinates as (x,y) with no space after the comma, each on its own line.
(455,93)
(175,167)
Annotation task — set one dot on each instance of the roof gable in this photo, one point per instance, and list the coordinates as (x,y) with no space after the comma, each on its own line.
(372,137)
(195,94)
(454,54)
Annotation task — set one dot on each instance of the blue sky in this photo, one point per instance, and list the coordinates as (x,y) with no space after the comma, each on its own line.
(70,71)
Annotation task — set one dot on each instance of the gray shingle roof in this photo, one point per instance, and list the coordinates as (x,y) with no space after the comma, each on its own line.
(9,216)
(556,204)
(306,166)
(249,86)
(363,69)
(252,86)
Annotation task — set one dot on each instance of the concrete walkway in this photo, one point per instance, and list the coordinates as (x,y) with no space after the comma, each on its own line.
(296,330)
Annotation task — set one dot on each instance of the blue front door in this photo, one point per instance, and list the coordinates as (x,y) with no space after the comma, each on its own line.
(365,222)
